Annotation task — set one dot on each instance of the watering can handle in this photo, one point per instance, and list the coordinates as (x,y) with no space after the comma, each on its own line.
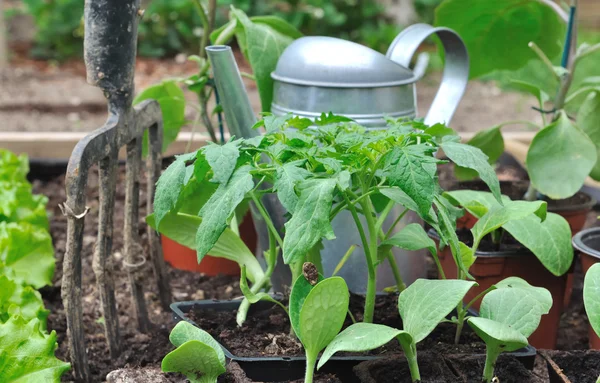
(110,47)
(456,69)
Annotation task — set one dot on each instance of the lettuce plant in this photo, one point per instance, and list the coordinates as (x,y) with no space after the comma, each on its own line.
(316,169)
(318,309)
(198,355)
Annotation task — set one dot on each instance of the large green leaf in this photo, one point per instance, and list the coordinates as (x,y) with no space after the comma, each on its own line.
(397,195)
(475,202)
(559,159)
(171,99)
(169,187)
(287,177)
(407,169)
(549,240)
(220,207)
(26,254)
(182,228)
(298,295)
(473,158)
(591,296)
(361,337)
(222,159)
(498,335)
(540,294)
(491,143)
(497,33)
(498,216)
(184,332)
(18,204)
(263,46)
(198,361)
(27,354)
(323,313)
(588,119)
(310,220)
(425,303)
(28,300)
(517,307)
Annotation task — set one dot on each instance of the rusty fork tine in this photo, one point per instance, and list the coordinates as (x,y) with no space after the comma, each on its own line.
(134,253)
(103,252)
(154,165)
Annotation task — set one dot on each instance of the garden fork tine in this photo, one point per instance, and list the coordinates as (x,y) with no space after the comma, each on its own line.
(110,47)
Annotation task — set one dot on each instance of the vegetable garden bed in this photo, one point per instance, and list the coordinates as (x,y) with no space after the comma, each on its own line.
(142,350)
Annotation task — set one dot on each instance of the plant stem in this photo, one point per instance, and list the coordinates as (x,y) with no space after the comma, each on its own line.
(544,59)
(311,360)
(371,287)
(400,285)
(227,33)
(343,260)
(371,283)
(411,358)
(559,11)
(265,215)
(391,229)
(491,355)
(460,322)
(531,193)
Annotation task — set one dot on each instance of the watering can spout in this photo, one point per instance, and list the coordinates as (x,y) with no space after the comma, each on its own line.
(233,97)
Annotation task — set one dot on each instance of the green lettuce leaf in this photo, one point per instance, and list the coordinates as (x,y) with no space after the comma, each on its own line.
(18,204)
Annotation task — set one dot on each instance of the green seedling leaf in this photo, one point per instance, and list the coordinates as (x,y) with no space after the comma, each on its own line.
(517,307)
(425,303)
(397,195)
(588,119)
(184,332)
(222,159)
(549,240)
(560,158)
(405,169)
(490,29)
(298,295)
(473,158)
(169,187)
(28,353)
(198,361)
(543,296)
(491,143)
(171,100)
(467,255)
(500,215)
(278,24)
(412,237)
(591,296)
(310,221)
(361,337)
(287,177)
(220,207)
(182,228)
(477,203)
(541,96)
(26,254)
(498,335)
(274,123)
(323,313)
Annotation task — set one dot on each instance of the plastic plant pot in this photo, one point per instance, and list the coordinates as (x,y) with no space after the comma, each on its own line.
(587,242)
(277,369)
(184,258)
(492,267)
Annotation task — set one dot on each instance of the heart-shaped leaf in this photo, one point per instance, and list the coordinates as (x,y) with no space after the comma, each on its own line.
(497,335)
(591,296)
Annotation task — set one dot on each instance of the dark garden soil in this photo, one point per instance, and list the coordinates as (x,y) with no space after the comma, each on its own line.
(147,350)
(578,366)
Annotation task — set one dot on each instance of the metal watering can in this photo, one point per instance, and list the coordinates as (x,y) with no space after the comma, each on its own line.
(324,74)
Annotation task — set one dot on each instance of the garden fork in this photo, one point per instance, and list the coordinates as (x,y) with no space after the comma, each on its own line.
(109,52)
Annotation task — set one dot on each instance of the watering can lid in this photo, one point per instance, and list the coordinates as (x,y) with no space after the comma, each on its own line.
(336,63)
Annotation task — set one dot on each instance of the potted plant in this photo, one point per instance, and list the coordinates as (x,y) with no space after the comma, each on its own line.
(518,238)
(171,98)
(564,150)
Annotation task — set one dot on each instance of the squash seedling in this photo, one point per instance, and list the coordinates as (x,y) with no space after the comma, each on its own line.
(508,316)
(198,356)
(318,309)
(591,298)
(423,305)
(546,235)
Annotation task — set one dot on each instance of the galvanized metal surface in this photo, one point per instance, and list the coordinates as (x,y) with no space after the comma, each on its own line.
(324,74)
(110,45)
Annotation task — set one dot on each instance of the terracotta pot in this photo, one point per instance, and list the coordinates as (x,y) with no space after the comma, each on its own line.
(587,242)
(492,267)
(184,258)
